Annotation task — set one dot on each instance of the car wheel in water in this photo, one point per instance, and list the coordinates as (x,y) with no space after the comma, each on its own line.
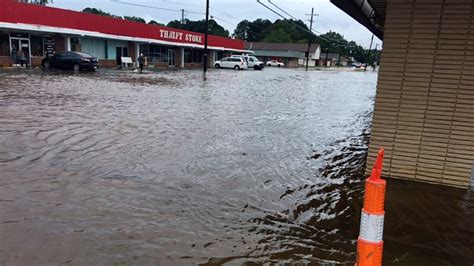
(279,65)
(217,66)
(76,68)
(237,68)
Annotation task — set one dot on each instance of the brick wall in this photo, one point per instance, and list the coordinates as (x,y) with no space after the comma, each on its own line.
(5,61)
(36,61)
(107,63)
(192,65)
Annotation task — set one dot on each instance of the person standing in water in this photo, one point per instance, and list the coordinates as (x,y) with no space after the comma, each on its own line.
(22,58)
(141,61)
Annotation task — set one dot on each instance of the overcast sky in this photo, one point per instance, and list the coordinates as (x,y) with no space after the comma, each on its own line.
(229,13)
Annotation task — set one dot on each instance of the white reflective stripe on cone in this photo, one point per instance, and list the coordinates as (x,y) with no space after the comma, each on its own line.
(371,227)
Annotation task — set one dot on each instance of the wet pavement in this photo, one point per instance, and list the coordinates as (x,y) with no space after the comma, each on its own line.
(244,168)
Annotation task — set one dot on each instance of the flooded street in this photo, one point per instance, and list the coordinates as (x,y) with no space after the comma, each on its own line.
(245,168)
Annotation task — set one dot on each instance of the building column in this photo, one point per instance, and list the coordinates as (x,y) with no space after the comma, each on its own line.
(179,57)
(68,43)
(137,52)
(211,58)
(132,53)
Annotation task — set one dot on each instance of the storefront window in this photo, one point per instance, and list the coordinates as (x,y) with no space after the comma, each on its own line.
(154,53)
(49,46)
(36,45)
(220,55)
(94,47)
(188,55)
(4,46)
(75,44)
(193,56)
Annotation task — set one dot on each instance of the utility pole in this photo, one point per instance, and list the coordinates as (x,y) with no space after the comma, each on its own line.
(376,54)
(327,56)
(368,53)
(204,65)
(310,37)
(182,17)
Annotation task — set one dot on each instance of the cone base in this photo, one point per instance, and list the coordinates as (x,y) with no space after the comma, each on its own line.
(368,253)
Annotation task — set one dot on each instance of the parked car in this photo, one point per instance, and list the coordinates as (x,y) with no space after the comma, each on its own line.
(70,60)
(236,63)
(275,63)
(252,61)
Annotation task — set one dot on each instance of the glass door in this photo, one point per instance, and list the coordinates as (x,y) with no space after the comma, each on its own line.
(171,58)
(118,57)
(120,52)
(22,44)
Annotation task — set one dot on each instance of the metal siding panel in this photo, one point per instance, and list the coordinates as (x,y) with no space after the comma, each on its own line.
(423,111)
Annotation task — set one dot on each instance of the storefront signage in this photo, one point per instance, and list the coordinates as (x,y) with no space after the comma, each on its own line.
(19,35)
(49,46)
(180,36)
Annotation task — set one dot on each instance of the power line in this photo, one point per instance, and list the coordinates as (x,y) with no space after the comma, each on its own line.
(211,8)
(306,30)
(139,5)
(269,1)
(235,25)
(312,32)
(315,31)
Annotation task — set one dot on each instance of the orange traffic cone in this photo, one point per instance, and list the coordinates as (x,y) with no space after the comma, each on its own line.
(370,243)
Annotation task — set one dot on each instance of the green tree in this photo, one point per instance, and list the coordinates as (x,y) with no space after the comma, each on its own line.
(297,30)
(241,31)
(153,22)
(200,26)
(96,11)
(133,18)
(254,31)
(333,41)
(278,36)
(38,2)
(261,29)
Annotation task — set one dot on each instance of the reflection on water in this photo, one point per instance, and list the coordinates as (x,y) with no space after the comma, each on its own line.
(165,168)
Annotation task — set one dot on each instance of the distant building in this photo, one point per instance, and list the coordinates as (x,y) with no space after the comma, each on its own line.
(292,54)
(329,59)
(335,59)
(345,60)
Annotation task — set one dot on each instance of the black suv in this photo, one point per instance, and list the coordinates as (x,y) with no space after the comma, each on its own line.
(70,60)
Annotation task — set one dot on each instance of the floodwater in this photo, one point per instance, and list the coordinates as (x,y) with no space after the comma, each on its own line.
(244,168)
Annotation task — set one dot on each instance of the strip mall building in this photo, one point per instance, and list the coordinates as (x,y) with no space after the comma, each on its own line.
(40,30)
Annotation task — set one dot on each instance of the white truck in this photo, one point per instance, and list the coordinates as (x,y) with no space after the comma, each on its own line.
(252,61)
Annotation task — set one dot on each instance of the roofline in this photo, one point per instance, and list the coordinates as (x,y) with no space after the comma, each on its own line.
(20,13)
(363,12)
(83,33)
(250,44)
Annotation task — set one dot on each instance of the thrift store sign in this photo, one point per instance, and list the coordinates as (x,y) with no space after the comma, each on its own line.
(180,36)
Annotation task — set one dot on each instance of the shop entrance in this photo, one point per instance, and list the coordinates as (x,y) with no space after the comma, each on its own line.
(22,44)
(121,52)
(171,58)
